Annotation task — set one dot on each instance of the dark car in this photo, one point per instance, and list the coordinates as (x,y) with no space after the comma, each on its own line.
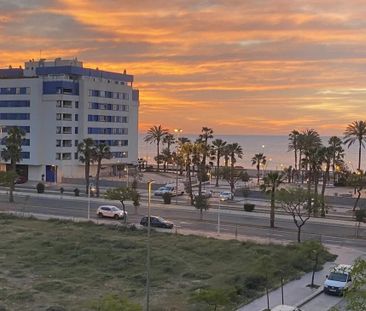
(157,222)
(21,180)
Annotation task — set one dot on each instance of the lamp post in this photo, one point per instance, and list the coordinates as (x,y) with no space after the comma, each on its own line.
(126,170)
(219,216)
(148,247)
(178,131)
(91,188)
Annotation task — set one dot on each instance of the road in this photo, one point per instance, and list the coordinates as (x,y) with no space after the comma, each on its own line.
(233,222)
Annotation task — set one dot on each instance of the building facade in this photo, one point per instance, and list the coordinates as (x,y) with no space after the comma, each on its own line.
(58,104)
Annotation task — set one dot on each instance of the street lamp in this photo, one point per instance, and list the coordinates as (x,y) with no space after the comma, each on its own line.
(91,188)
(148,246)
(126,170)
(219,216)
(178,131)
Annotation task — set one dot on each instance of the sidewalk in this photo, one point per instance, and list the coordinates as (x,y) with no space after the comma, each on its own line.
(296,293)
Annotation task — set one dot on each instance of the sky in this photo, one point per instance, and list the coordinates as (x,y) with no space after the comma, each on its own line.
(239,67)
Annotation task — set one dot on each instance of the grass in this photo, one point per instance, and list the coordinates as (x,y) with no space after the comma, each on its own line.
(58,263)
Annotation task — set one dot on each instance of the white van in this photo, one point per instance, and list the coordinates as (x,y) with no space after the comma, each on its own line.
(171,189)
(285,308)
(339,280)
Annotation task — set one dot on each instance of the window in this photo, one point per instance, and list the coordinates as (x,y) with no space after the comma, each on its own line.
(67,130)
(58,104)
(66,143)
(76,143)
(58,116)
(58,142)
(25,155)
(66,156)
(76,117)
(67,117)
(67,104)
(76,156)
(58,129)
(76,104)
(76,130)
(14,103)
(58,156)
(14,116)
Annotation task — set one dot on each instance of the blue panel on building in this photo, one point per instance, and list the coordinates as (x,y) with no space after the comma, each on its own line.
(11,73)
(135,95)
(61,87)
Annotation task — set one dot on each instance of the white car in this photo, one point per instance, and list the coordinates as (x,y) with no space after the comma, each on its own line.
(205,193)
(226,195)
(339,280)
(111,211)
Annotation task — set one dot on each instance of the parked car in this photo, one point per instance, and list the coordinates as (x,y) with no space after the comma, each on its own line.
(339,280)
(111,211)
(21,180)
(205,193)
(171,189)
(285,308)
(156,221)
(226,195)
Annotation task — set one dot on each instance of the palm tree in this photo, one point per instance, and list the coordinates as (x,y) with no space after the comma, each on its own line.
(13,153)
(218,145)
(258,160)
(86,150)
(185,152)
(168,140)
(155,135)
(356,131)
(226,154)
(235,151)
(335,143)
(101,152)
(294,144)
(327,154)
(271,182)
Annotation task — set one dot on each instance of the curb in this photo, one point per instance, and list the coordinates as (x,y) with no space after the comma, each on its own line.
(310,297)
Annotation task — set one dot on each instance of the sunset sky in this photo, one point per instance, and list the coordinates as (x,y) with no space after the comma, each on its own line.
(238,66)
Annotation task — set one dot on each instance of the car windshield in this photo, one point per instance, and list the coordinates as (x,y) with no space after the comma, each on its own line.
(161,219)
(335,276)
(114,209)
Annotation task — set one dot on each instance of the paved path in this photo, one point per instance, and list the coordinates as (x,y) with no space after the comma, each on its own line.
(296,291)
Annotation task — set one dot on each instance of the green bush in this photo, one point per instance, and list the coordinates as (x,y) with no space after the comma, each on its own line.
(167,197)
(40,187)
(249,207)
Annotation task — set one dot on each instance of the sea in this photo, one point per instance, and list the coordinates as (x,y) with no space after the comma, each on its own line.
(275,148)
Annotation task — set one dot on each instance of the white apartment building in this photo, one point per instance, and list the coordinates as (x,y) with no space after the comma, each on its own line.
(58,104)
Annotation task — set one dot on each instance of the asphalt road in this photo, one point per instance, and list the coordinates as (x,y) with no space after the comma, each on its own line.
(254,226)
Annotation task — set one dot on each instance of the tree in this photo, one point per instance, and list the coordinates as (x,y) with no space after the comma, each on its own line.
(326,156)
(356,296)
(86,150)
(122,194)
(155,135)
(201,203)
(258,160)
(234,151)
(356,132)
(358,182)
(335,143)
(233,175)
(294,202)
(360,217)
(186,153)
(13,153)
(270,185)
(101,152)
(293,145)
(7,179)
(218,145)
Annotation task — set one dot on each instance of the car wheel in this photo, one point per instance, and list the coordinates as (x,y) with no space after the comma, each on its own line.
(116,217)
(100,215)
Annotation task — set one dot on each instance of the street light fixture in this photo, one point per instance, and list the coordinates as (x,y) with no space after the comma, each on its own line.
(91,188)
(126,170)
(148,246)
(178,131)
(219,216)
